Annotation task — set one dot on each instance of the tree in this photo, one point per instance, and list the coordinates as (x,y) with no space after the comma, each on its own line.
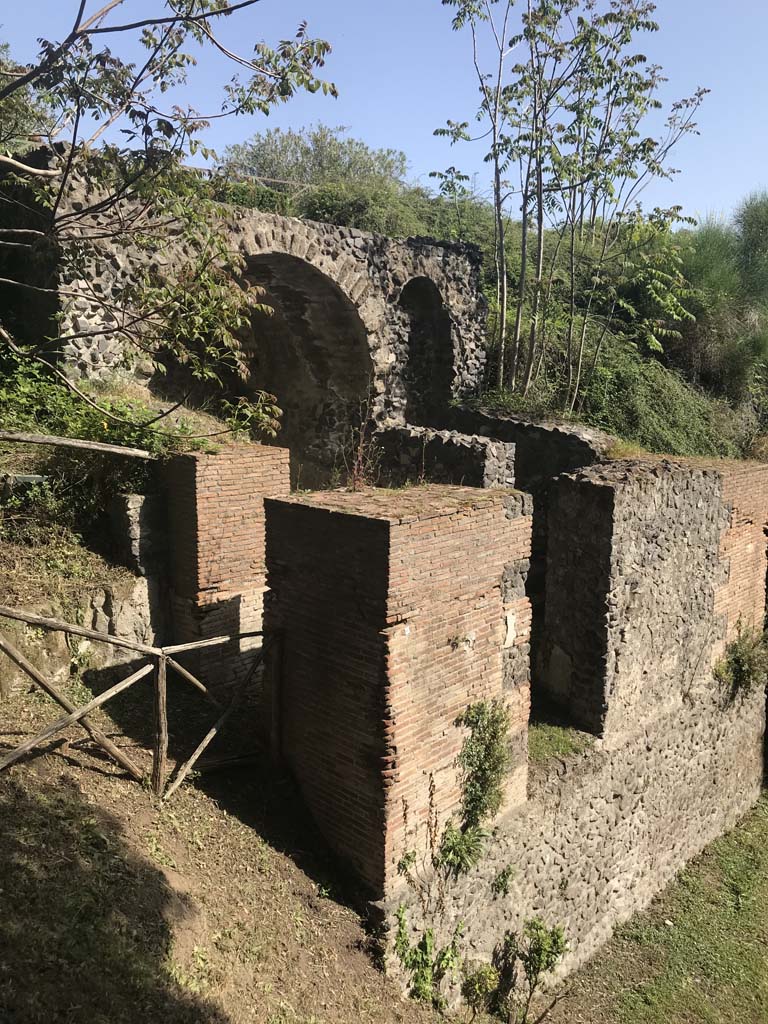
(315,156)
(21,115)
(570,115)
(93,93)
(493,111)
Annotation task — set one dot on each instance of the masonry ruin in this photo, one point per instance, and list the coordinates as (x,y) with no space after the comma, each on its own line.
(519,562)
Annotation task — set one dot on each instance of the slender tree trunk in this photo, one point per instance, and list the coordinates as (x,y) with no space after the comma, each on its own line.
(537,285)
(502,269)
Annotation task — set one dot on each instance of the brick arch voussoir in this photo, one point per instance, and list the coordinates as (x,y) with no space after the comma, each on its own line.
(308,245)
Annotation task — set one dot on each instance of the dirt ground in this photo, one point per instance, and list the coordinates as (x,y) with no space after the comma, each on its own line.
(216,908)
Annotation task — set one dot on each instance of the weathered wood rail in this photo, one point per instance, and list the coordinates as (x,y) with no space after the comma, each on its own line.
(160,659)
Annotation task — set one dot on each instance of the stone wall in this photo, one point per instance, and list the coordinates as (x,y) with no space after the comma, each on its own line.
(215,508)
(410,454)
(603,833)
(353,321)
(397,610)
(133,609)
(651,565)
(543,450)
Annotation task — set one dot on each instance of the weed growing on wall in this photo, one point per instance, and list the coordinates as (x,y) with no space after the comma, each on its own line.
(479,989)
(744,666)
(483,761)
(501,884)
(426,963)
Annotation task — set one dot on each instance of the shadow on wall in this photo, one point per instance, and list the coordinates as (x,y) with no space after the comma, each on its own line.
(308,347)
(84,929)
(429,374)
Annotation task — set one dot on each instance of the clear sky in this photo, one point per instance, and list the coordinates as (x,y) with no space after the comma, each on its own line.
(401,72)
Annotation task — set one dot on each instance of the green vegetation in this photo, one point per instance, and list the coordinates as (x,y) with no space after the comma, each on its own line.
(744,667)
(77,486)
(547,740)
(483,760)
(501,884)
(427,964)
(508,986)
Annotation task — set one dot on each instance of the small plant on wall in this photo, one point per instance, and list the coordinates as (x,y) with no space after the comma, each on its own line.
(744,666)
(426,963)
(482,762)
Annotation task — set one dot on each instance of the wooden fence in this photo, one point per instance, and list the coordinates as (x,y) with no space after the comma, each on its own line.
(160,660)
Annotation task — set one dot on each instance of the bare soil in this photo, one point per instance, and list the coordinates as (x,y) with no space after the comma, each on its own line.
(220,907)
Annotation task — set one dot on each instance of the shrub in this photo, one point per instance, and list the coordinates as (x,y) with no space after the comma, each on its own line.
(744,667)
(483,761)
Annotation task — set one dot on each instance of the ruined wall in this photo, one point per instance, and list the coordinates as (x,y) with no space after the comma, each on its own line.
(131,608)
(397,611)
(543,451)
(411,454)
(358,320)
(651,566)
(645,560)
(603,833)
(216,538)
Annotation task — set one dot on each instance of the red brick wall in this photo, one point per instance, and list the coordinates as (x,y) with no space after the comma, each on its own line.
(217,563)
(449,629)
(328,580)
(394,621)
(216,509)
(742,596)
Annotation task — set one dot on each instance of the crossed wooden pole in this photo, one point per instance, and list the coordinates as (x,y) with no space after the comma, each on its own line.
(161,659)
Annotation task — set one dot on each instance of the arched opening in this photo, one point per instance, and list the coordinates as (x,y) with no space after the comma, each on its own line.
(428,376)
(310,349)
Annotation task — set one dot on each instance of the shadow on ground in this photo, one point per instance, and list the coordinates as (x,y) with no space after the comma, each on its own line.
(84,921)
(256,793)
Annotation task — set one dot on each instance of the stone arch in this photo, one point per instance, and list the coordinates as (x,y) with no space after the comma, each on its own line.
(310,348)
(429,370)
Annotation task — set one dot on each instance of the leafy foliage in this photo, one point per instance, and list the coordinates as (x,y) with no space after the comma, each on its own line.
(483,761)
(744,667)
(460,849)
(77,486)
(426,963)
(479,988)
(318,155)
(522,961)
(500,886)
(88,88)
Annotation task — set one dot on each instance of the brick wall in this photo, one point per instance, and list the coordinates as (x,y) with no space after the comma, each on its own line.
(741,598)
(399,609)
(217,564)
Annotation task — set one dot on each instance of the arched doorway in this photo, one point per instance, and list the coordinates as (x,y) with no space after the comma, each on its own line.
(310,349)
(428,375)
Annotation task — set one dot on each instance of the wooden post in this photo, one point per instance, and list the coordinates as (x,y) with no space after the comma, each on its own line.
(96,734)
(76,716)
(237,697)
(160,760)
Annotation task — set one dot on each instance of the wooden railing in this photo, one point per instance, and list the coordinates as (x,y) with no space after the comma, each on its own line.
(160,659)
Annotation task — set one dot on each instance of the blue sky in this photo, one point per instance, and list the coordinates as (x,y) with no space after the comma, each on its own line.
(401,72)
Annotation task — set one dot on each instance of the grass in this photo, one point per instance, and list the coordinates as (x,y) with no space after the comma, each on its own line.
(546,740)
(698,956)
